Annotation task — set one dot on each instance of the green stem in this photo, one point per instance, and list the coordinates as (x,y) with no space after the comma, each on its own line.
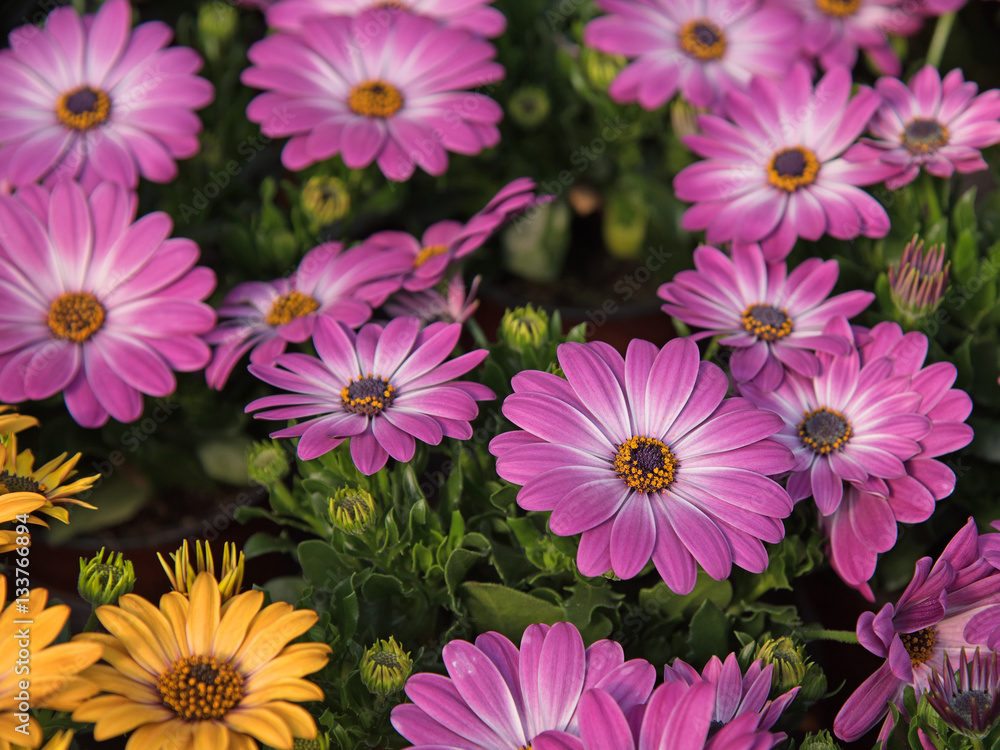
(940,39)
(841,636)
(932,202)
(477,333)
(92,622)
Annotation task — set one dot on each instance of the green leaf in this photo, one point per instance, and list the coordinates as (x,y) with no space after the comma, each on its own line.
(709,633)
(459,563)
(319,561)
(504,496)
(965,257)
(509,612)
(263,543)
(963,216)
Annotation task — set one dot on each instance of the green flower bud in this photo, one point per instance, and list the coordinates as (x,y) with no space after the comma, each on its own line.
(104,582)
(918,282)
(325,200)
(684,116)
(600,69)
(352,510)
(529,106)
(267,462)
(820,741)
(813,685)
(217,23)
(626,217)
(525,328)
(789,661)
(385,667)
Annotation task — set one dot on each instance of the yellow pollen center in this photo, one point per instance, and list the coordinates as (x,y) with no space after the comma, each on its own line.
(83,108)
(199,688)
(288,307)
(766,322)
(368,395)
(75,316)
(824,430)
(427,253)
(375,98)
(919,645)
(792,168)
(645,464)
(838,8)
(702,39)
(924,136)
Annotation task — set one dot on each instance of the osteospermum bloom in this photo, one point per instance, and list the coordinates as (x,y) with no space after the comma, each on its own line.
(736,694)
(865,522)
(499,698)
(55,681)
(192,674)
(448,241)
(475,16)
(774,173)
(93,99)
(939,126)
(648,459)
(772,318)
(702,48)
(113,317)
(382,388)
(930,621)
(852,423)
(455,305)
(330,282)
(678,716)
(968,698)
(400,99)
(835,30)
(184,573)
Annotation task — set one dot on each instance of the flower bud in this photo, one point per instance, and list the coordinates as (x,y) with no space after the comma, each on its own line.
(352,510)
(183,574)
(918,282)
(789,662)
(626,217)
(820,741)
(525,328)
(104,582)
(968,699)
(325,200)
(217,23)
(600,69)
(385,667)
(529,106)
(267,462)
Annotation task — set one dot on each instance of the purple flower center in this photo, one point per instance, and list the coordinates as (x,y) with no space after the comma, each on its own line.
(824,430)
(766,322)
(368,395)
(793,168)
(83,108)
(645,464)
(375,98)
(288,307)
(197,688)
(15,483)
(75,316)
(924,136)
(702,39)
(919,645)
(838,8)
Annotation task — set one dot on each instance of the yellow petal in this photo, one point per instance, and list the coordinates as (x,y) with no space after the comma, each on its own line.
(175,607)
(265,725)
(168,734)
(300,691)
(156,621)
(93,709)
(203,616)
(13,504)
(208,735)
(233,627)
(295,718)
(271,640)
(290,664)
(240,741)
(135,636)
(110,680)
(125,718)
(69,697)
(8,722)
(118,657)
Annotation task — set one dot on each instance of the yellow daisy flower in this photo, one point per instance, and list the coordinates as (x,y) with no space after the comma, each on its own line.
(184,573)
(18,475)
(27,630)
(13,505)
(14,422)
(60,741)
(196,674)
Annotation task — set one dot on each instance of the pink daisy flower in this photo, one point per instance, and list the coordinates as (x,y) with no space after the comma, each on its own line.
(736,694)
(774,174)
(455,306)
(98,306)
(648,459)
(703,48)
(448,241)
(864,524)
(263,317)
(401,99)
(834,30)
(499,698)
(940,126)
(381,387)
(93,99)
(852,423)
(773,319)
(475,16)
(929,622)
